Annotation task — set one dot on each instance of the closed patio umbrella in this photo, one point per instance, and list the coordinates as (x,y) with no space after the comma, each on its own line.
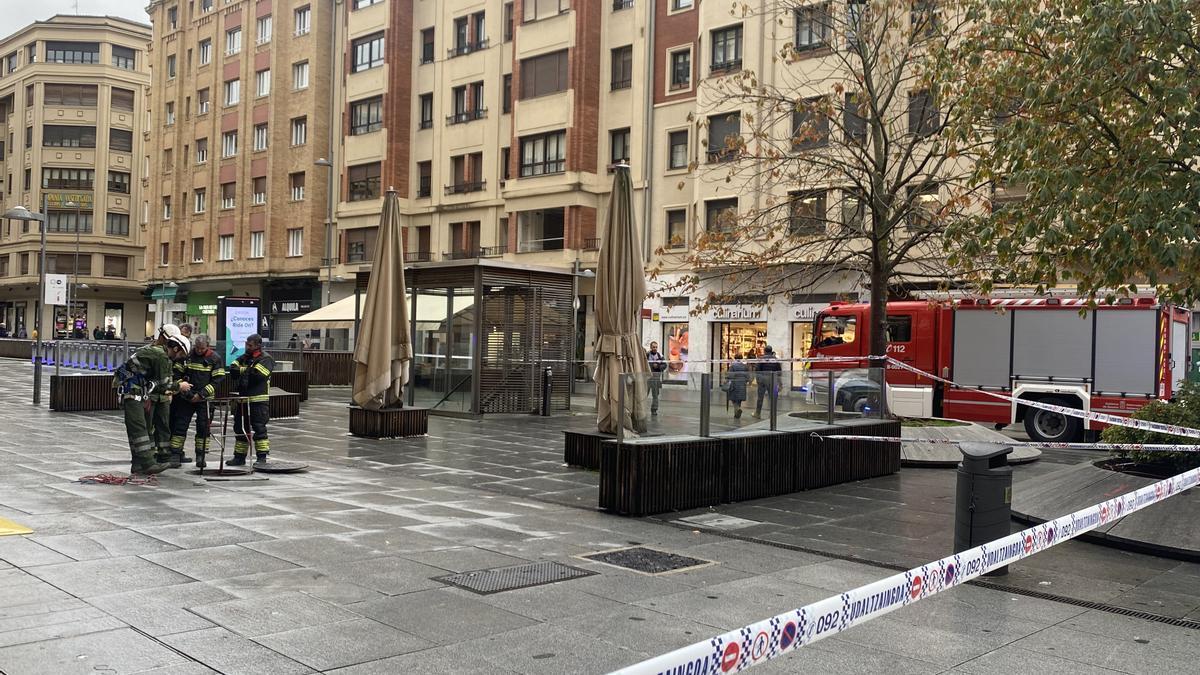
(620,290)
(384,349)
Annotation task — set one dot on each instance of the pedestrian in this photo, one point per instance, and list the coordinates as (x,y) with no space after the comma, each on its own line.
(657,363)
(96,334)
(203,373)
(294,341)
(186,330)
(21,334)
(252,373)
(139,381)
(3,331)
(736,379)
(764,377)
(124,335)
(35,334)
(110,333)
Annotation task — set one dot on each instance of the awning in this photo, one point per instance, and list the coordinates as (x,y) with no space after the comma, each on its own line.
(337,315)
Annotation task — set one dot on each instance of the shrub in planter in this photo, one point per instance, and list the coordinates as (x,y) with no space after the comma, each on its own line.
(1183,410)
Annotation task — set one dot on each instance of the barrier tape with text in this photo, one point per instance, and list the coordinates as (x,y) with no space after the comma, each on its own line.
(768,639)
(1131,447)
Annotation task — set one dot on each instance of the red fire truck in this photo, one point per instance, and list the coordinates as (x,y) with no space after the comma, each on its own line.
(1113,359)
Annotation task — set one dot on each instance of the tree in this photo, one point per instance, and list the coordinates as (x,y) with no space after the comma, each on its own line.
(1090,108)
(838,141)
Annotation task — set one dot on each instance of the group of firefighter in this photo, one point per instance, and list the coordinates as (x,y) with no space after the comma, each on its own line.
(176,378)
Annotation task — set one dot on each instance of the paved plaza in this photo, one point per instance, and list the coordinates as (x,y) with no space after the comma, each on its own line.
(336,570)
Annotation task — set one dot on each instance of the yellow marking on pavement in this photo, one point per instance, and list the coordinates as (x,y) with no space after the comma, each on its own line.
(9,527)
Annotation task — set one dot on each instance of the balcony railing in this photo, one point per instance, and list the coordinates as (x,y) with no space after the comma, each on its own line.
(469,186)
(424,190)
(726,66)
(417,256)
(618,5)
(493,251)
(536,245)
(591,244)
(467,48)
(466,116)
(462,254)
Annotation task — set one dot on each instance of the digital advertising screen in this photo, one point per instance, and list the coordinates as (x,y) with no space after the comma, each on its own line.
(237,319)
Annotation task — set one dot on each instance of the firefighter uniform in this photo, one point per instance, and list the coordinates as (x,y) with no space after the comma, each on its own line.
(175,457)
(252,373)
(205,373)
(140,382)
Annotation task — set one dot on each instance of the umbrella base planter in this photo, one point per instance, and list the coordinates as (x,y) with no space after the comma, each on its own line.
(73,393)
(292,381)
(649,475)
(389,423)
(582,448)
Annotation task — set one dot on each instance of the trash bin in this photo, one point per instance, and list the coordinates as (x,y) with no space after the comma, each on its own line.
(983,507)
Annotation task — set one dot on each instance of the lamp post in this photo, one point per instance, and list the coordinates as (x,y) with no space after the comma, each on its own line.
(329,224)
(24,214)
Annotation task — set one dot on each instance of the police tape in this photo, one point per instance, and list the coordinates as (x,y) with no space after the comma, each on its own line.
(770,638)
(1115,420)
(1132,447)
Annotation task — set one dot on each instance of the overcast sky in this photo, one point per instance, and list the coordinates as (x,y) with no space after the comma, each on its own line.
(16,14)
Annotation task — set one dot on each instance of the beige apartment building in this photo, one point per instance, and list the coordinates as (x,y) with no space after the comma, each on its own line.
(72,101)
(239,120)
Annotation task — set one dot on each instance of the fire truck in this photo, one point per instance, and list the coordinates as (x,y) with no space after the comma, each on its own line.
(1113,358)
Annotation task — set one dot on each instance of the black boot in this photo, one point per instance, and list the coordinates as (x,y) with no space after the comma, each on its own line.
(200,460)
(260,459)
(176,460)
(238,460)
(146,466)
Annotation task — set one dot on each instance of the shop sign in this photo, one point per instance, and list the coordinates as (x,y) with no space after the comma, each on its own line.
(202,303)
(737,313)
(805,312)
(291,306)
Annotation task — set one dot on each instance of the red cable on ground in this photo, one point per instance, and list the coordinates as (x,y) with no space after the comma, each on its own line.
(118,479)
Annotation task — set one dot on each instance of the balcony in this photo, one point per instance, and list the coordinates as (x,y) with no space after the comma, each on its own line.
(591,244)
(493,251)
(466,116)
(462,254)
(465,187)
(467,48)
(720,67)
(417,256)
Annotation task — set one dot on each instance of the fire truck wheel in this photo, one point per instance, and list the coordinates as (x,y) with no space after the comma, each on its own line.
(1044,426)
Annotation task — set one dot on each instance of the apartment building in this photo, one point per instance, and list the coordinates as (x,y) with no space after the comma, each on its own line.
(72,102)
(239,122)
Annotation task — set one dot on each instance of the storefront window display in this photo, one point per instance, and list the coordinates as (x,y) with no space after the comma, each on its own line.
(114,317)
(747,339)
(675,340)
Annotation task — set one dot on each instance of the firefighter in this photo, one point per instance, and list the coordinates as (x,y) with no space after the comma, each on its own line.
(203,372)
(252,373)
(176,409)
(138,380)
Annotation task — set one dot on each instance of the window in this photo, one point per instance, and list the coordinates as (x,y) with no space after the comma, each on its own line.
(300,75)
(69,52)
(424,178)
(118,182)
(28,137)
(258,196)
(681,69)
(169,113)
(677,5)
(856,11)
(225,247)
(166,208)
(120,140)
(116,224)
(74,95)
(508,22)
(229,143)
(233,92)
(720,215)
(810,125)
(540,230)
(622,67)
(812,27)
(62,136)
(543,154)
(168,159)
(233,41)
(924,18)
(467,173)
(257,244)
(303,16)
(505,157)
(68,179)
(506,95)
(173,17)
(536,10)
(853,211)
(170,66)
(206,6)
(205,52)
(197,249)
(296,183)
(367,52)
(164,254)
(924,118)
(121,99)
(263,30)
(366,116)
(618,145)
(31,53)
(116,266)
(200,200)
(724,136)
(123,57)
(542,75)
(360,243)
(923,208)
(359,4)
(202,101)
(468,103)
(295,240)
(364,181)
(898,328)
(299,131)
(677,228)
(727,49)
(260,136)
(677,144)
(427,45)
(806,213)
(28,185)
(10,63)
(228,195)
(201,150)
(854,119)
(426,102)
(262,82)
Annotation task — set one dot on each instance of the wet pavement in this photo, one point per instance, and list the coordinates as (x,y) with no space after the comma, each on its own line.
(337,569)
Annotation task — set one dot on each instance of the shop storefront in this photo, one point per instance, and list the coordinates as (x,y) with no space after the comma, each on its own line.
(283,305)
(202,311)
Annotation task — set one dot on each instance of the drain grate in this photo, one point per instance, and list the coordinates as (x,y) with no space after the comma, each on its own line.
(646,560)
(500,579)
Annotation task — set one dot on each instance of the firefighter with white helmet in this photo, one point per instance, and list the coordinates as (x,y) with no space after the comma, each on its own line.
(142,382)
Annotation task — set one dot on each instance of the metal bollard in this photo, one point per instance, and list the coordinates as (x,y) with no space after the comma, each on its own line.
(983,504)
(547,390)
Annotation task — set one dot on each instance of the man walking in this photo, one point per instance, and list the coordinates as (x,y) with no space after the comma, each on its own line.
(764,375)
(252,373)
(145,376)
(657,364)
(203,371)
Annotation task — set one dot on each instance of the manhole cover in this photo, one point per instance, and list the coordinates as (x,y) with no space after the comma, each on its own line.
(275,466)
(498,579)
(646,560)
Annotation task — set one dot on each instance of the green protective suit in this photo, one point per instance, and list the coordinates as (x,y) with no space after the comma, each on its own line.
(145,384)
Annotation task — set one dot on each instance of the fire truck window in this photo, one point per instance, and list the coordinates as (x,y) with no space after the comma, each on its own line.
(899,329)
(836,331)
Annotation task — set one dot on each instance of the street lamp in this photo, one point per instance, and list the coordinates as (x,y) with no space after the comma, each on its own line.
(24,214)
(322,162)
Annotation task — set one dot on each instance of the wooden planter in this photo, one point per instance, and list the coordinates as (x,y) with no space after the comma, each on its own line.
(390,423)
(582,448)
(758,464)
(829,461)
(291,381)
(74,393)
(644,476)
